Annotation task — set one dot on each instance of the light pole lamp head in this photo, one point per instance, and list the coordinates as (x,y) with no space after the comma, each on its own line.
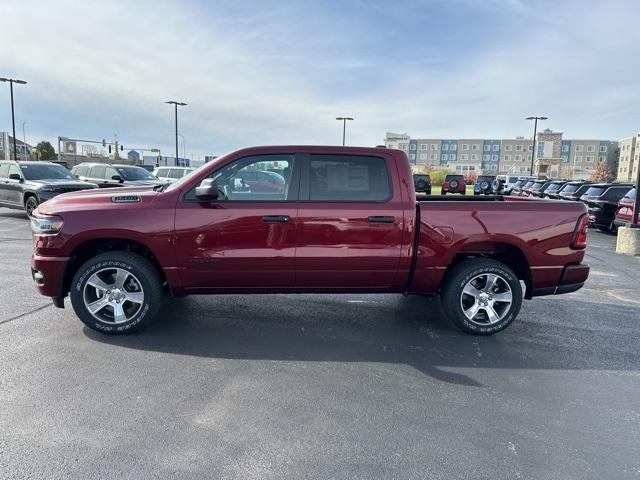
(344,118)
(537,118)
(173,102)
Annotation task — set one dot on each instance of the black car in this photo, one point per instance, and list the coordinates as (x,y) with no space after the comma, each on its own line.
(25,185)
(484,185)
(536,188)
(602,200)
(552,190)
(454,184)
(569,191)
(517,187)
(115,175)
(575,190)
(422,183)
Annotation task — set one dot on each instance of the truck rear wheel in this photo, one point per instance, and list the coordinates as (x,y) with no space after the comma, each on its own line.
(116,292)
(481,296)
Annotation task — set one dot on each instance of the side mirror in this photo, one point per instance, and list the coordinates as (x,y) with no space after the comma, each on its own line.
(207,190)
(15,176)
(117,178)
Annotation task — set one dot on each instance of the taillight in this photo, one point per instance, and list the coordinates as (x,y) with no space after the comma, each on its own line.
(446,184)
(580,234)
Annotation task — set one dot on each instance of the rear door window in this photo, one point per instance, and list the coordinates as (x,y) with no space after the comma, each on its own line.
(631,195)
(615,194)
(98,172)
(350,178)
(4,170)
(81,171)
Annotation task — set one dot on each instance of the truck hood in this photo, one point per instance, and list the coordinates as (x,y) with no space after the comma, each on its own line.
(99,199)
(61,183)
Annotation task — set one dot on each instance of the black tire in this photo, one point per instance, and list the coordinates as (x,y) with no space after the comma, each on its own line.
(464,273)
(145,278)
(30,204)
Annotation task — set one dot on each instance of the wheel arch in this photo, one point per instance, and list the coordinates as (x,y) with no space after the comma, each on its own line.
(90,248)
(507,253)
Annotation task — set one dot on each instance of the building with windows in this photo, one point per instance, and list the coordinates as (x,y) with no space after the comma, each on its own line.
(555,157)
(515,156)
(629,159)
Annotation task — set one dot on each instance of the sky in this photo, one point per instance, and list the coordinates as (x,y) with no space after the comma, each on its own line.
(257,72)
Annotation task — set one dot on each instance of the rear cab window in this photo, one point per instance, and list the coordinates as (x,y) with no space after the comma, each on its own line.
(348,178)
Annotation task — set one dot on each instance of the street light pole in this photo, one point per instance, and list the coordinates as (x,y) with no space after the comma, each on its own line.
(535,132)
(175,104)
(344,127)
(13,117)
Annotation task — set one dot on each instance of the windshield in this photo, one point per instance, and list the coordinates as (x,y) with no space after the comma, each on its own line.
(570,188)
(485,178)
(45,171)
(537,185)
(135,173)
(528,184)
(553,187)
(595,191)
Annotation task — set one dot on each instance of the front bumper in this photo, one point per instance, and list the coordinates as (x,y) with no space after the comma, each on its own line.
(572,279)
(48,274)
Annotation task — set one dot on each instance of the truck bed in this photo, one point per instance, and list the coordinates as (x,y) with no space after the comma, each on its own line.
(522,231)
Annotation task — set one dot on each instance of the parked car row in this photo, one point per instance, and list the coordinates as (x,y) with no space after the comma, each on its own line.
(609,204)
(26,184)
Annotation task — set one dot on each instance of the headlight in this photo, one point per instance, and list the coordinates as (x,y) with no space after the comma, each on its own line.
(46,226)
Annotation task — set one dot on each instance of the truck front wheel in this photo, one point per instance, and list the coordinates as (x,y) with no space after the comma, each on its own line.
(481,296)
(116,292)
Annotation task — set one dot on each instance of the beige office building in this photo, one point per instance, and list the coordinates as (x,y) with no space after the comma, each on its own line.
(515,156)
(629,159)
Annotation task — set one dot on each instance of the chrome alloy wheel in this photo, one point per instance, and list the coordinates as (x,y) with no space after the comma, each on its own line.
(486,299)
(113,295)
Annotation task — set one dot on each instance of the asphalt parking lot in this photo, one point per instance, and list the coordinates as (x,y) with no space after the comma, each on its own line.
(326,386)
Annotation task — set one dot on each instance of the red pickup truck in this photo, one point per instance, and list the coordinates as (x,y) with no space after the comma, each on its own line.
(345,220)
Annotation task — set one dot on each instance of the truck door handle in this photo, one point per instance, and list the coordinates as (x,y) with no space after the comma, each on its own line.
(381,219)
(275,218)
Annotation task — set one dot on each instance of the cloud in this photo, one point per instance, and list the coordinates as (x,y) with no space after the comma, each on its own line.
(280,72)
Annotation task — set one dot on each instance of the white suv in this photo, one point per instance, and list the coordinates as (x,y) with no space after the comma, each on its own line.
(171,174)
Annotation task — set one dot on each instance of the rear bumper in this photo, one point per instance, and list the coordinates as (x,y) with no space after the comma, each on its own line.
(48,274)
(572,279)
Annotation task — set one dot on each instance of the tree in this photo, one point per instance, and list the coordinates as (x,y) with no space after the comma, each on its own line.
(601,173)
(422,169)
(45,151)
(471,177)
